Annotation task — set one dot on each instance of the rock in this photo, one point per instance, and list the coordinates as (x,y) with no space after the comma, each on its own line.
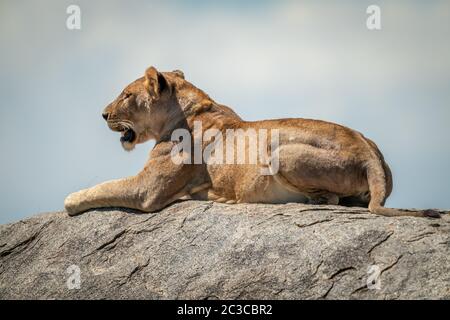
(204,250)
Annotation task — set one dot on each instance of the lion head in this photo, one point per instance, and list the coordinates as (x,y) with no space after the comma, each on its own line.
(139,112)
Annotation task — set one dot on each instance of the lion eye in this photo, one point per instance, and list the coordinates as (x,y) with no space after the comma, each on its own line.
(127,95)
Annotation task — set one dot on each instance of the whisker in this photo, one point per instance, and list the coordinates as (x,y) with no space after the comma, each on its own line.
(121,124)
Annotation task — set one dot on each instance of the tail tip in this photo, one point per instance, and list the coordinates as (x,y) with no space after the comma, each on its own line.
(431,214)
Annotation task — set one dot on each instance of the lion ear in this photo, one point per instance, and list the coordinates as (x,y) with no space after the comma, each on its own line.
(155,82)
(179,73)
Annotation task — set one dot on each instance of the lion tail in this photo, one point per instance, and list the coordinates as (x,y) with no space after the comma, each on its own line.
(377,178)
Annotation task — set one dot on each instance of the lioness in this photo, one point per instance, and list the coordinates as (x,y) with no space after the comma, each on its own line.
(318,162)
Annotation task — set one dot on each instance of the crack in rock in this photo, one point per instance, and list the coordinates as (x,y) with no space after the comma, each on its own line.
(380,243)
(312,223)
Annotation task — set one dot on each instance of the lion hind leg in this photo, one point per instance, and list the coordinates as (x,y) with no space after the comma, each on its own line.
(324,198)
(361,200)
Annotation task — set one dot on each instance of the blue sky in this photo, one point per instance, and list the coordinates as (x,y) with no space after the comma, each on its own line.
(265,59)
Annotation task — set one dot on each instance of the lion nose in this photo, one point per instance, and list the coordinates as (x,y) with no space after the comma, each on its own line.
(105,115)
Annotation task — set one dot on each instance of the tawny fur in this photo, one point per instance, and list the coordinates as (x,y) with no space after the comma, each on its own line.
(319,162)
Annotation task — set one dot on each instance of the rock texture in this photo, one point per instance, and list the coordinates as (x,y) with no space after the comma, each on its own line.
(201,250)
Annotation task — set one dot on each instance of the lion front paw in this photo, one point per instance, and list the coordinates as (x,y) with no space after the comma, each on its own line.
(73,204)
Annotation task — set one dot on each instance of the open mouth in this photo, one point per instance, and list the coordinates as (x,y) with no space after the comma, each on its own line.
(128,136)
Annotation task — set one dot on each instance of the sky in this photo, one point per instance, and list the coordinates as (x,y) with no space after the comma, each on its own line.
(265,59)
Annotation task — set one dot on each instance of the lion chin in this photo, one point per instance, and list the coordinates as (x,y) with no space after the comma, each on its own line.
(128,146)
(128,139)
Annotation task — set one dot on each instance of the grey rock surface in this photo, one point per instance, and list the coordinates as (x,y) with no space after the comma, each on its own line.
(204,250)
